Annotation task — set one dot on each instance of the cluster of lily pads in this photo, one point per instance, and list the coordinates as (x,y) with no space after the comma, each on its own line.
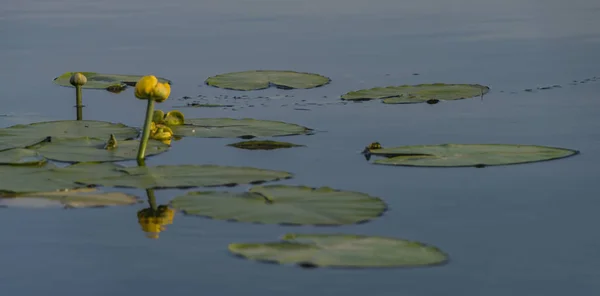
(67,162)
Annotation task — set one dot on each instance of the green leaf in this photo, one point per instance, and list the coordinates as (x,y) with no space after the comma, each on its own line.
(237,128)
(281,204)
(186,176)
(103,81)
(263,145)
(19,179)
(23,135)
(92,149)
(457,155)
(20,156)
(261,79)
(405,94)
(341,250)
(76,198)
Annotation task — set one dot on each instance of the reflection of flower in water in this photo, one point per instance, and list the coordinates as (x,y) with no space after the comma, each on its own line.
(154,221)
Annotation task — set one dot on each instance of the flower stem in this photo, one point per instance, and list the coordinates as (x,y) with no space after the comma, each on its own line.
(151,199)
(146,132)
(79,105)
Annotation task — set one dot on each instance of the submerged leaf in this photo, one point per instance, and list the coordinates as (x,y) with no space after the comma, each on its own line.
(112,82)
(95,150)
(186,176)
(263,145)
(260,79)
(420,93)
(478,155)
(237,128)
(342,250)
(281,204)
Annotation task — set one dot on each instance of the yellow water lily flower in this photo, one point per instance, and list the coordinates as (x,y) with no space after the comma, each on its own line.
(148,88)
(78,79)
(174,117)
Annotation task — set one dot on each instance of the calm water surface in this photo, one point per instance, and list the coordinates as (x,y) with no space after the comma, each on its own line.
(514,230)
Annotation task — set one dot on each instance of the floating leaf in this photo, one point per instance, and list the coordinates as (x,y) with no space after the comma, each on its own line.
(23,135)
(342,250)
(94,150)
(281,204)
(187,176)
(420,93)
(18,179)
(113,82)
(76,198)
(20,156)
(237,128)
(263,145)
(479,155)
(261,79)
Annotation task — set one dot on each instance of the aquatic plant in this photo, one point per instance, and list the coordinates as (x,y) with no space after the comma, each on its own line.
(148,88)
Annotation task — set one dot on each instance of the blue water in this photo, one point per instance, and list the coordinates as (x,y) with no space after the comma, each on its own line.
(514,230)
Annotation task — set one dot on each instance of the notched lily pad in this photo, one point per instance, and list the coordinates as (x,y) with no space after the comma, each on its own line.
(342,250)
(282,204)
(186,176)
(263,145)
(261,79)
(112,82)
(245,128)
(19,156)
(87,149)
(464,155)
(406,94)
(20,179)
(76,198)
(23,135)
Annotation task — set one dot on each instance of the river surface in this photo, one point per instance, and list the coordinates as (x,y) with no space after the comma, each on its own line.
(513,230)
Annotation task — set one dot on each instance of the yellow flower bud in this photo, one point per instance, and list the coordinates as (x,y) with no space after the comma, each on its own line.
(161,92)
(78,79)
(144,88)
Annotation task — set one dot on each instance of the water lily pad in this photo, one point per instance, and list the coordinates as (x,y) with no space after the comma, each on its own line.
(261,79)
(21,156)
(405,94)
(93,149)
(281,204)
(23,135)
(457,155)
(104,81)
(187,176)
(263,145)
(342,250)
(19,179)
(76,198)
(237,128)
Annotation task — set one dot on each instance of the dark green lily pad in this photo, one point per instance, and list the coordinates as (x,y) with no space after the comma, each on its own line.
(263,145)
(103,81)
(245,128)
(459,155)
(19,179)
(19,156)
(342,250)
(261,79)
(187,176)
(281,204)
(405,94)
(92,149)
(23,135)
(76,198)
